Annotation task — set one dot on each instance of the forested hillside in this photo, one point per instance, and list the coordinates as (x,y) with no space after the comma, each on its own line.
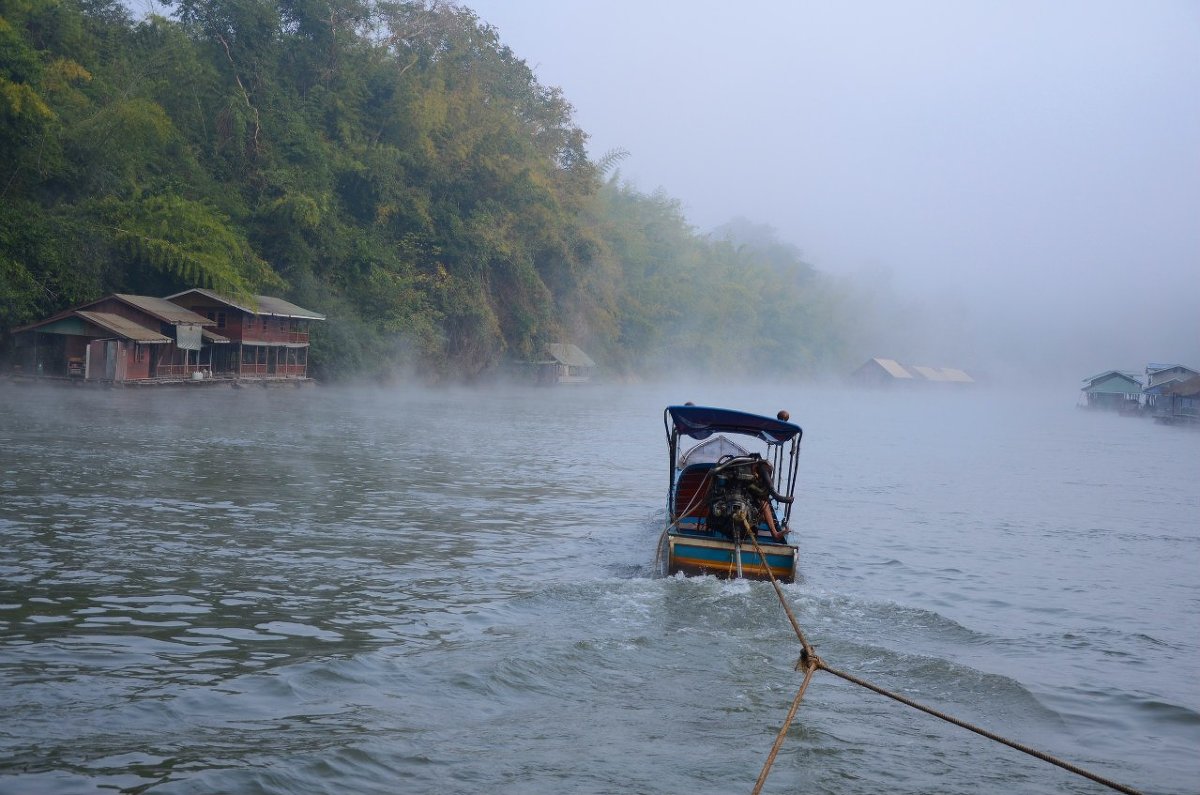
(390,164)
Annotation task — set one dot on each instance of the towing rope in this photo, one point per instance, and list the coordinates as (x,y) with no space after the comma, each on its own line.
(811,663)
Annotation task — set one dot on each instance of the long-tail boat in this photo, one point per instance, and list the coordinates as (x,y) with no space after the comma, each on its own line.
(728,506)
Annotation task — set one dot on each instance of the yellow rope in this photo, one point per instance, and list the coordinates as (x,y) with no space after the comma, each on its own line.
(808,649)
(809,670)
(812,663)
(983,732)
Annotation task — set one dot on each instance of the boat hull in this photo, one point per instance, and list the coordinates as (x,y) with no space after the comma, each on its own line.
(694,555)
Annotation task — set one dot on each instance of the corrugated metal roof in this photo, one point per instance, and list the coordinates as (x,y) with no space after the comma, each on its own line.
(1106,373)
(943,374)
(893,368)
(123,327)
(929,373)
(919,372)
(569,354)
(263,305)
(268,305)
(164,310)
(1155,369)
(1188,388)
(956,375)
(159,308)
(1165,387)
(213,336)
(67,322)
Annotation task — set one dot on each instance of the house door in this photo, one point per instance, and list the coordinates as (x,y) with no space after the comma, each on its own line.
(110,360)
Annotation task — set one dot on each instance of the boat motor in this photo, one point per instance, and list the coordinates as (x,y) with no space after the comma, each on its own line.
(738,499)
(735,500)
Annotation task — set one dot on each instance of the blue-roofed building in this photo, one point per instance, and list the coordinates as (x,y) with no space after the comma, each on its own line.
(1163,373)
(1160,379)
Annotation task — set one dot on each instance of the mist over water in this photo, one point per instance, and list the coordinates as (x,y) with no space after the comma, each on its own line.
(1007,187)
(338,590)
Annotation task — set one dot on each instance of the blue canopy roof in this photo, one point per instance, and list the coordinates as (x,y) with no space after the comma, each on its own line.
(700,422)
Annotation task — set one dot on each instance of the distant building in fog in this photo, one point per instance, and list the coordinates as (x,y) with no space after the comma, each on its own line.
(563,363)
(1112,389)
(1160,381)
(885,372)
(1179,402)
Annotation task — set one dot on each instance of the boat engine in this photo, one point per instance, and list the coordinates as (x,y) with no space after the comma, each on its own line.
(737,494)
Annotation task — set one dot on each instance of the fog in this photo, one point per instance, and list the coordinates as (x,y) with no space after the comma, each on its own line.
(1008,185)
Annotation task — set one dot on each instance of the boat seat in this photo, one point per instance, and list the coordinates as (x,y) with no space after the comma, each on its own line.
(691,489)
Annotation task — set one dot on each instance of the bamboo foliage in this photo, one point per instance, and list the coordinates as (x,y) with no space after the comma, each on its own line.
(387,162)
(188,241)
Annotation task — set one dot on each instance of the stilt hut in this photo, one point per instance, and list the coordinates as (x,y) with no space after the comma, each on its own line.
(1112,390)
(119,338)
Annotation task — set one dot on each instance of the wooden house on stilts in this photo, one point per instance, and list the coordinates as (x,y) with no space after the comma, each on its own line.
(268,336)
(196,335)
(119,338)
(564,363)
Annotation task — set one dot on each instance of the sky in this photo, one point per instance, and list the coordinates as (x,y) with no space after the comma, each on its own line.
(1025,175)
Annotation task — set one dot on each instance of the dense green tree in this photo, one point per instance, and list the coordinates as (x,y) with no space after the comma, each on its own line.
(388,162)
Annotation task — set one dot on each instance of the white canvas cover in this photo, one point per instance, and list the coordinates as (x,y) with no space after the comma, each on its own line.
(710,451)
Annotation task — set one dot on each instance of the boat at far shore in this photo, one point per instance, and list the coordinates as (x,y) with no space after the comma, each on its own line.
(729,506)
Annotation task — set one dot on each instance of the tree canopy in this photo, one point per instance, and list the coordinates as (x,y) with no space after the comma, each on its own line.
(391,164)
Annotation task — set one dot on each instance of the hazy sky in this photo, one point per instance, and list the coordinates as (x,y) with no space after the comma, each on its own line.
(1033,167)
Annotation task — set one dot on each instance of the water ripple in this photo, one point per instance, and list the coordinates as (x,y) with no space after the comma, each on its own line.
(402,592)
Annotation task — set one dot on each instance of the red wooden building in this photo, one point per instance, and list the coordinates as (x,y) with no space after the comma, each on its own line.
(193,335)
(117,338)
(268,336)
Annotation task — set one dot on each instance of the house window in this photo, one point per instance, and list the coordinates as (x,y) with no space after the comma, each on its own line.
(139,352)
(264,323)
(220,319)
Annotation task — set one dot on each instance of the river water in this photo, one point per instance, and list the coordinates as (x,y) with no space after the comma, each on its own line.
(377,591)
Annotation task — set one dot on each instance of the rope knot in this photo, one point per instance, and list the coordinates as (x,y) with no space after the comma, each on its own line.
(809,661)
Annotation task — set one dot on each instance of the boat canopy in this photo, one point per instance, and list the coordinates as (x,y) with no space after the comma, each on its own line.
(701,422)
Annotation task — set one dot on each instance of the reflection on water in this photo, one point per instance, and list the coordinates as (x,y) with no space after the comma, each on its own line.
(331,590)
